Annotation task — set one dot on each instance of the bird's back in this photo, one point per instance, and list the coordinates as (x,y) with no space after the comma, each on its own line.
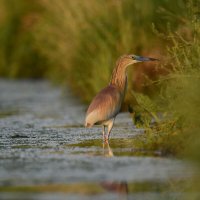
(105,105)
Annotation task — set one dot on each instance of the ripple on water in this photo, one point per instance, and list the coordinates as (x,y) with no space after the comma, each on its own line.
(47,153)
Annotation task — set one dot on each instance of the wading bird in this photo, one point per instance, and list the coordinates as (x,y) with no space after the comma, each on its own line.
(107,103)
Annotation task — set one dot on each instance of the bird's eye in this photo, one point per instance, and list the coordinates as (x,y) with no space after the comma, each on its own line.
(133,57)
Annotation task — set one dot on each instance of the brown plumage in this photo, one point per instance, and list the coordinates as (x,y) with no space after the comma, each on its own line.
(107,103)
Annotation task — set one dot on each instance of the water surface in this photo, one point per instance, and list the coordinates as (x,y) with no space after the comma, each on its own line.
(46,153)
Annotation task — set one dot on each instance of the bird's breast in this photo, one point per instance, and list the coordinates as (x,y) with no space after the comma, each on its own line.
(105,105)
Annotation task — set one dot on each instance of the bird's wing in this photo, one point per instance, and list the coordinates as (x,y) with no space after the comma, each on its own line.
(105,105)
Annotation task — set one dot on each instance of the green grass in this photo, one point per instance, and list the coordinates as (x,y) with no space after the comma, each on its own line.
(84,41)
(19,56)
(74,42)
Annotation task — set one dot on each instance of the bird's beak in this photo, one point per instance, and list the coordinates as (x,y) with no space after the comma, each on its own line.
(143,59)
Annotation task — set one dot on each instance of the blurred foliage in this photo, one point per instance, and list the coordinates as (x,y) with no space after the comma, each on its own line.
(83,40)
(78,42)
(19,56)
(178,130)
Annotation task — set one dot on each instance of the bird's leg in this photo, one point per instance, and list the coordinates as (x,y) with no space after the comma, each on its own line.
(103,132)
(110,125)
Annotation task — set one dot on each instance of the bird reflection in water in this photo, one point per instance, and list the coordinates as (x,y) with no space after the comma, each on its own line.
(107,151)
(118,187)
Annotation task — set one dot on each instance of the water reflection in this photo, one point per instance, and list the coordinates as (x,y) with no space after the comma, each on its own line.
(107,151)
(40,153)
(118,187)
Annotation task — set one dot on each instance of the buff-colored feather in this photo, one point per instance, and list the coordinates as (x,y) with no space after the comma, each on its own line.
(107,103)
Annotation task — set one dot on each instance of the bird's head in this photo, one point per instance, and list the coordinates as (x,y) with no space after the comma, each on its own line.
(132,59)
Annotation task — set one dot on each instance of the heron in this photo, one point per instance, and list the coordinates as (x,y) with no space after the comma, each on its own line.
(107,103)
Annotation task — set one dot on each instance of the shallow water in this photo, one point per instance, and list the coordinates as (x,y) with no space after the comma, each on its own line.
(46,153)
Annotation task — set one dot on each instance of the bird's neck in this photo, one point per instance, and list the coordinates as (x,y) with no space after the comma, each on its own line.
(119,77)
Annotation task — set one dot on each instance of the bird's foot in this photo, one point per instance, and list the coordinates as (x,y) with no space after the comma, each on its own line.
(106,140)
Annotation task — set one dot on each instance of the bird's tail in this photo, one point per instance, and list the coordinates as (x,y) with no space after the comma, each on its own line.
(88,125)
